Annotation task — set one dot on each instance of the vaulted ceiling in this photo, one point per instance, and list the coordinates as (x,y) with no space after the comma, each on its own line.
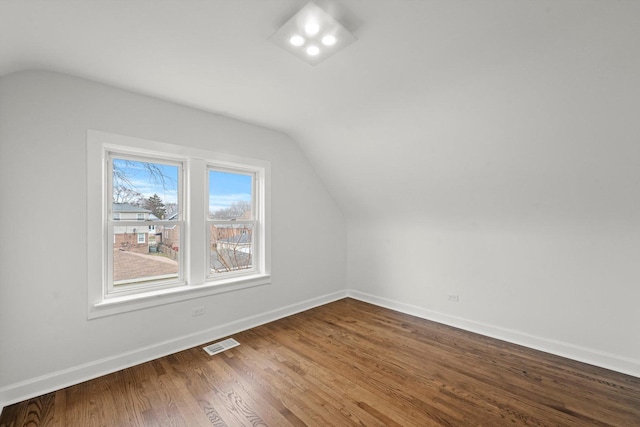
(490,110)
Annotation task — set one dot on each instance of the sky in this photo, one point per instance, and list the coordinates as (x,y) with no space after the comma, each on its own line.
(225,188)
(164,182)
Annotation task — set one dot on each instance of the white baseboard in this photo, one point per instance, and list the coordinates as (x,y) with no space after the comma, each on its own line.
(593,357)
(34,387)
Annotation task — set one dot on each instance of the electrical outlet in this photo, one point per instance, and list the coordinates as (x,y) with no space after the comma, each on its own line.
(197,311)
(453,297)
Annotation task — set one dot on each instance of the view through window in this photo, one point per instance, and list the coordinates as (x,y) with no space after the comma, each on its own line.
(231,221)
(168,223)
(145,222)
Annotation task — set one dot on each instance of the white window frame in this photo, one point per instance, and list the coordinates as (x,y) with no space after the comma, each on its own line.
(144,238)
(256,220)
(117,289)
(195,281)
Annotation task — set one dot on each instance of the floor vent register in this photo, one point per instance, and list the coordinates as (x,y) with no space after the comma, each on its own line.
(221,346)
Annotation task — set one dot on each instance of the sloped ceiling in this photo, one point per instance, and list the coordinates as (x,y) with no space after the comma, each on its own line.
(467,111)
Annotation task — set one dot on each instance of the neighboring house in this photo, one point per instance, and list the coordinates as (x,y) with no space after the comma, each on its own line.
(230,248)
(240,240)
(169,235)
(222,232)
(132,238)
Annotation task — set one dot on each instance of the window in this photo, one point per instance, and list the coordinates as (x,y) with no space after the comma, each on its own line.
(172,223)
(231,222)
(140,186)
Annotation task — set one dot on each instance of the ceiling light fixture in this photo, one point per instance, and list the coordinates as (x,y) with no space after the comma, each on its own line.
(313,50)
(328,40)
(312,35)
(297,40)
(311,28)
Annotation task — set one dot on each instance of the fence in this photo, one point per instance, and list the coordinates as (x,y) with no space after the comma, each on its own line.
(168,251)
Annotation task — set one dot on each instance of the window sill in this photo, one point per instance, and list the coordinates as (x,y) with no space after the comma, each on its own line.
(123,304)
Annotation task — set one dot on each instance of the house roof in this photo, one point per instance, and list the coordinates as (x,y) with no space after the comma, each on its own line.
(238,239)
(126,207)
(228,259)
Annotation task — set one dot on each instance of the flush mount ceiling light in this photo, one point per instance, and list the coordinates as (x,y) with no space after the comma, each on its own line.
(312,35)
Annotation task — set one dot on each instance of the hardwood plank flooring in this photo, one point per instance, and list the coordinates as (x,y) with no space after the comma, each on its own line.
(347,363)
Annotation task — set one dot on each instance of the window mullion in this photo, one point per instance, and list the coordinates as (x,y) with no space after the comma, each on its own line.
(196,214)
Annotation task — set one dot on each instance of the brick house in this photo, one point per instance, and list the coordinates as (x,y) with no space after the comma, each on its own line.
(132,238)
(169,235)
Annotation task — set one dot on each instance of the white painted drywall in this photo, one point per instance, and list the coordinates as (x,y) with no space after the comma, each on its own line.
(509,175)
(565,290)
(44,329)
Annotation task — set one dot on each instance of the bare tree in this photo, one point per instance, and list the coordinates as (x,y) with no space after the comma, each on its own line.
(171,209)
(231,248)
(124,188)
(124,194)
(237,210)
(120,176)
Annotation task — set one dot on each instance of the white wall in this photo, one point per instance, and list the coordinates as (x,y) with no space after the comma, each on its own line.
(46,341)
(508,174)
(566,290)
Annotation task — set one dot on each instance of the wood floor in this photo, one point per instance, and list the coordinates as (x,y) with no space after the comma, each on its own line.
(346,363)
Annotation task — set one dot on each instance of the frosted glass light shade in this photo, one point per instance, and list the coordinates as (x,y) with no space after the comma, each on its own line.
(297,40)
(328,40)
(311,28)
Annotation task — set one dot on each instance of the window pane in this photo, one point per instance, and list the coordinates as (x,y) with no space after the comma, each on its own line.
(144,191)
(231,247)
(230,195)
(141,255)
